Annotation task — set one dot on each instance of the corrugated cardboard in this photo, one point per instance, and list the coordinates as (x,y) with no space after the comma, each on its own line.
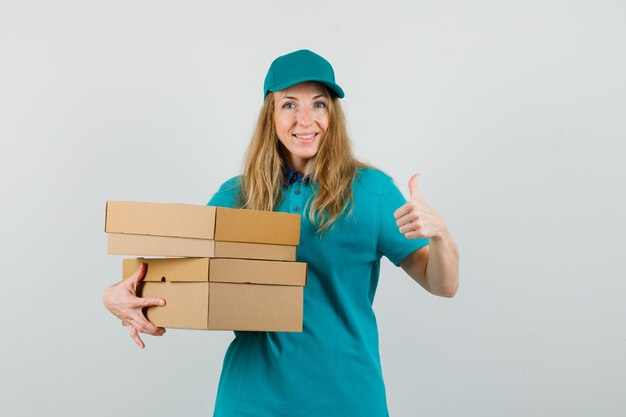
(224,294)
(145,245)
(202,222)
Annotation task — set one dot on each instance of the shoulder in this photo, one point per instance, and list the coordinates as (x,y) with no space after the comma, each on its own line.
(226,195)
(232,184)
(372,180)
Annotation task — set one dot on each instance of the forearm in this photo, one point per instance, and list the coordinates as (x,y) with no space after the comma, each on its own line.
(436,266)
(442,269)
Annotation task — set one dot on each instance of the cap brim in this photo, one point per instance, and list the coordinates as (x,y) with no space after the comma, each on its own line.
(281,86)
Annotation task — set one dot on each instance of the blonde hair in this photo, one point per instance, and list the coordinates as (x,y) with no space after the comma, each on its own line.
(333,171)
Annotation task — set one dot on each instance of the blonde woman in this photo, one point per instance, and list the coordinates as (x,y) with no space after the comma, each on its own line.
(300,161)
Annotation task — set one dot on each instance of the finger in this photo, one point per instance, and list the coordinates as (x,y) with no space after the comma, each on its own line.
(411,227)
(134,334)
(414,185)
(143,325)
(407,218)
(151,329)
(403,210)
(415,234)
(146,302)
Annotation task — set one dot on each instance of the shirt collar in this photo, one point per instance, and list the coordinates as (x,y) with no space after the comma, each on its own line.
(292,177)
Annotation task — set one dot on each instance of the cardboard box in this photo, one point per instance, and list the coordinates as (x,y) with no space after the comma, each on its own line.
(224,294)
(202,222)
(145,245)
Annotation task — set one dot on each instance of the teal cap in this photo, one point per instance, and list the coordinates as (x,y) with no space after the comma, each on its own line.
(298,67)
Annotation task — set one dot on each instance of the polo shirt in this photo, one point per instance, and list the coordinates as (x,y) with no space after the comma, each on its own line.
(332,368)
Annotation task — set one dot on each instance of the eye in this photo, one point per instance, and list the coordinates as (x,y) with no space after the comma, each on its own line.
(288,106)
(320,105)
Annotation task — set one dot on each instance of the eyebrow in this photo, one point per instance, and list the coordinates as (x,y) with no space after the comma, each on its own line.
(296,99)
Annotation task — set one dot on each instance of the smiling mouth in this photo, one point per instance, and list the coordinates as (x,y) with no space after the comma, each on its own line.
(305,138)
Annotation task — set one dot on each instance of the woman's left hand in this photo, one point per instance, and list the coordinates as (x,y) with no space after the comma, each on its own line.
(415,218)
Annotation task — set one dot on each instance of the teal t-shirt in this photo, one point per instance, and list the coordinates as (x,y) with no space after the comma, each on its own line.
(332,368)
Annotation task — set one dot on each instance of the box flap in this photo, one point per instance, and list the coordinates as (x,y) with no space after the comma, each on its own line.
(163,246)
(170,269)
(257,272)
(254,251)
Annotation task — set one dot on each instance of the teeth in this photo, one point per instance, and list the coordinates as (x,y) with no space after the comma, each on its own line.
(305,136)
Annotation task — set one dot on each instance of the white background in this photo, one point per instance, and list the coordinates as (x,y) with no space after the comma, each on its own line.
(514,113)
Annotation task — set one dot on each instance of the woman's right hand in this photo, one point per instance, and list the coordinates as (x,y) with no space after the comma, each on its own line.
(122,301)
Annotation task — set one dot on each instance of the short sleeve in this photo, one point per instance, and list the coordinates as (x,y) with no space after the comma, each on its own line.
(227,195)
(391,243)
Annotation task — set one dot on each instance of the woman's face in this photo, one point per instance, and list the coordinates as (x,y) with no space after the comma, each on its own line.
(301,119)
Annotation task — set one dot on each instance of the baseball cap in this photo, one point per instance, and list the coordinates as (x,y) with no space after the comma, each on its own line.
(298,67)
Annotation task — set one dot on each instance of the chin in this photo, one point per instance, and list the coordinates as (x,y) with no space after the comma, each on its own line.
(306,155)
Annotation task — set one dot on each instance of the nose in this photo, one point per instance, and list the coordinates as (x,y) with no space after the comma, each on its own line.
(304,117)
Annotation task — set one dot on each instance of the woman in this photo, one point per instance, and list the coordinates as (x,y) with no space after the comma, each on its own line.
(300,161)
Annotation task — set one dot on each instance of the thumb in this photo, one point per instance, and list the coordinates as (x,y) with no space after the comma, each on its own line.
(414,185)
(139,273)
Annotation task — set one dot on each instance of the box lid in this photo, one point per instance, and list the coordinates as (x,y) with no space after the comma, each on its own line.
(170,269)
(245,271)
(202,222)
(257,272)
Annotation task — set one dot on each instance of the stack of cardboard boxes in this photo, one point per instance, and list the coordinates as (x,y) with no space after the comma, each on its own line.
(226,269)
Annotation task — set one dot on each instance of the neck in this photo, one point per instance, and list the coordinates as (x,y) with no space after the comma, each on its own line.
(302,166)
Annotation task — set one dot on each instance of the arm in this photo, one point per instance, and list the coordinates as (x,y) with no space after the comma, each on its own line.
(436,266)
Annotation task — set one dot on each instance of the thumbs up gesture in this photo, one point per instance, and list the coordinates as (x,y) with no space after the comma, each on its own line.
(415,218)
